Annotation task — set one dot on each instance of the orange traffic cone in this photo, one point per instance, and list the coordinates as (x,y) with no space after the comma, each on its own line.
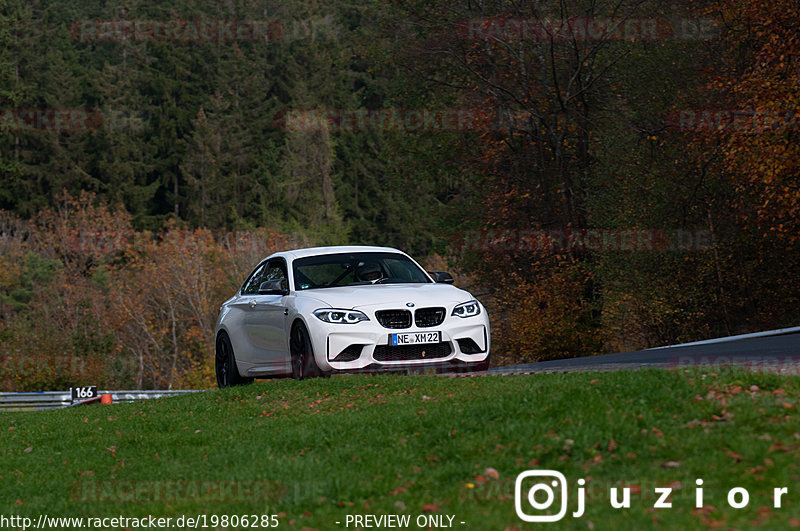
(106,399)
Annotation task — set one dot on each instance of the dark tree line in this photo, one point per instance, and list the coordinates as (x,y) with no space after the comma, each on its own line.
(593,115)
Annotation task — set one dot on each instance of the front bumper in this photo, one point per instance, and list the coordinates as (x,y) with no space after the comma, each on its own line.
(365,346)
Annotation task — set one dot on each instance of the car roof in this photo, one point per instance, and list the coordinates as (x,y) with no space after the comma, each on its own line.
(336,249)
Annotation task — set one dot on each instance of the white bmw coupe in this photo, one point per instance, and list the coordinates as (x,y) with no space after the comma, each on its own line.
(311,312)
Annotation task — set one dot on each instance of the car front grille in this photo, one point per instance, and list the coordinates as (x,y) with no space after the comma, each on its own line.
(412,352)
(427,317)
(394,318)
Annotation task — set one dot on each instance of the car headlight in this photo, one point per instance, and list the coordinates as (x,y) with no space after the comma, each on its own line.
(467,309)
(336,316)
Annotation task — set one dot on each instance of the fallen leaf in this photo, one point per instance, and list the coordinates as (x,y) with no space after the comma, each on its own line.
(670,464)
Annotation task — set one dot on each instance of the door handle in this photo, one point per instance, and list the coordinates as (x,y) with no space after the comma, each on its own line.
(252,304)
(286,311)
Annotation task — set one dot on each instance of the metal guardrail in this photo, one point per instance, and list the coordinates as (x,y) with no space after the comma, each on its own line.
(768,333)
(60,399)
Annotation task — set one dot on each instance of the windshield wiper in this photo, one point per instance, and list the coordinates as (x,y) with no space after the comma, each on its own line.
(395,280)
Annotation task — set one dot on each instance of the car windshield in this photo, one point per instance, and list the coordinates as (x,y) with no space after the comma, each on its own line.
(355,269)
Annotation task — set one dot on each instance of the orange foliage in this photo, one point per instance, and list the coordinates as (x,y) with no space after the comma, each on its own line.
(84,299)
(544,318)
(762,77)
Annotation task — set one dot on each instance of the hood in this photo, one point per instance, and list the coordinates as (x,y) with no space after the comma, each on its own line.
(394,295)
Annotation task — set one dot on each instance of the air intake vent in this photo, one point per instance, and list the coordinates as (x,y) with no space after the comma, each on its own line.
(468,346)
(351,353)
(412,352)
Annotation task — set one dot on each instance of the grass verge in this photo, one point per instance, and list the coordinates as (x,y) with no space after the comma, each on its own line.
(314,452)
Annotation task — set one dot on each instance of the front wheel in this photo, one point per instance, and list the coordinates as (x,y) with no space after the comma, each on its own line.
(225,364)
(304,365)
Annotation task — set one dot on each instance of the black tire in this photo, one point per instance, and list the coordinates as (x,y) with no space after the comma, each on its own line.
(304,365)
(225,364)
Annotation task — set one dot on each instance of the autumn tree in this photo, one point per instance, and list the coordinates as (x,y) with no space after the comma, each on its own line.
(758,85)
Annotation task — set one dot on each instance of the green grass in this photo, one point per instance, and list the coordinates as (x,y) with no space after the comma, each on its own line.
(316,451)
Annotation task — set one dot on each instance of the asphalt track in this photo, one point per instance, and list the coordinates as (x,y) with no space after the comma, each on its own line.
(779,353)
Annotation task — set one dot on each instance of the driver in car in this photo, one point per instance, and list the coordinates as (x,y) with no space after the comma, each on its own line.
(369,272)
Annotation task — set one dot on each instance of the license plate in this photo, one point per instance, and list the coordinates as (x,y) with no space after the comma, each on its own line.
(415,338)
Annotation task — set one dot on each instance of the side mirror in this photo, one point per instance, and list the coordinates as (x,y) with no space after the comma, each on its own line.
(440,277)
(273,287)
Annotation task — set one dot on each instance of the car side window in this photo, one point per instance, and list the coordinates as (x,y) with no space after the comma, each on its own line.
(254,281)
(276,270)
